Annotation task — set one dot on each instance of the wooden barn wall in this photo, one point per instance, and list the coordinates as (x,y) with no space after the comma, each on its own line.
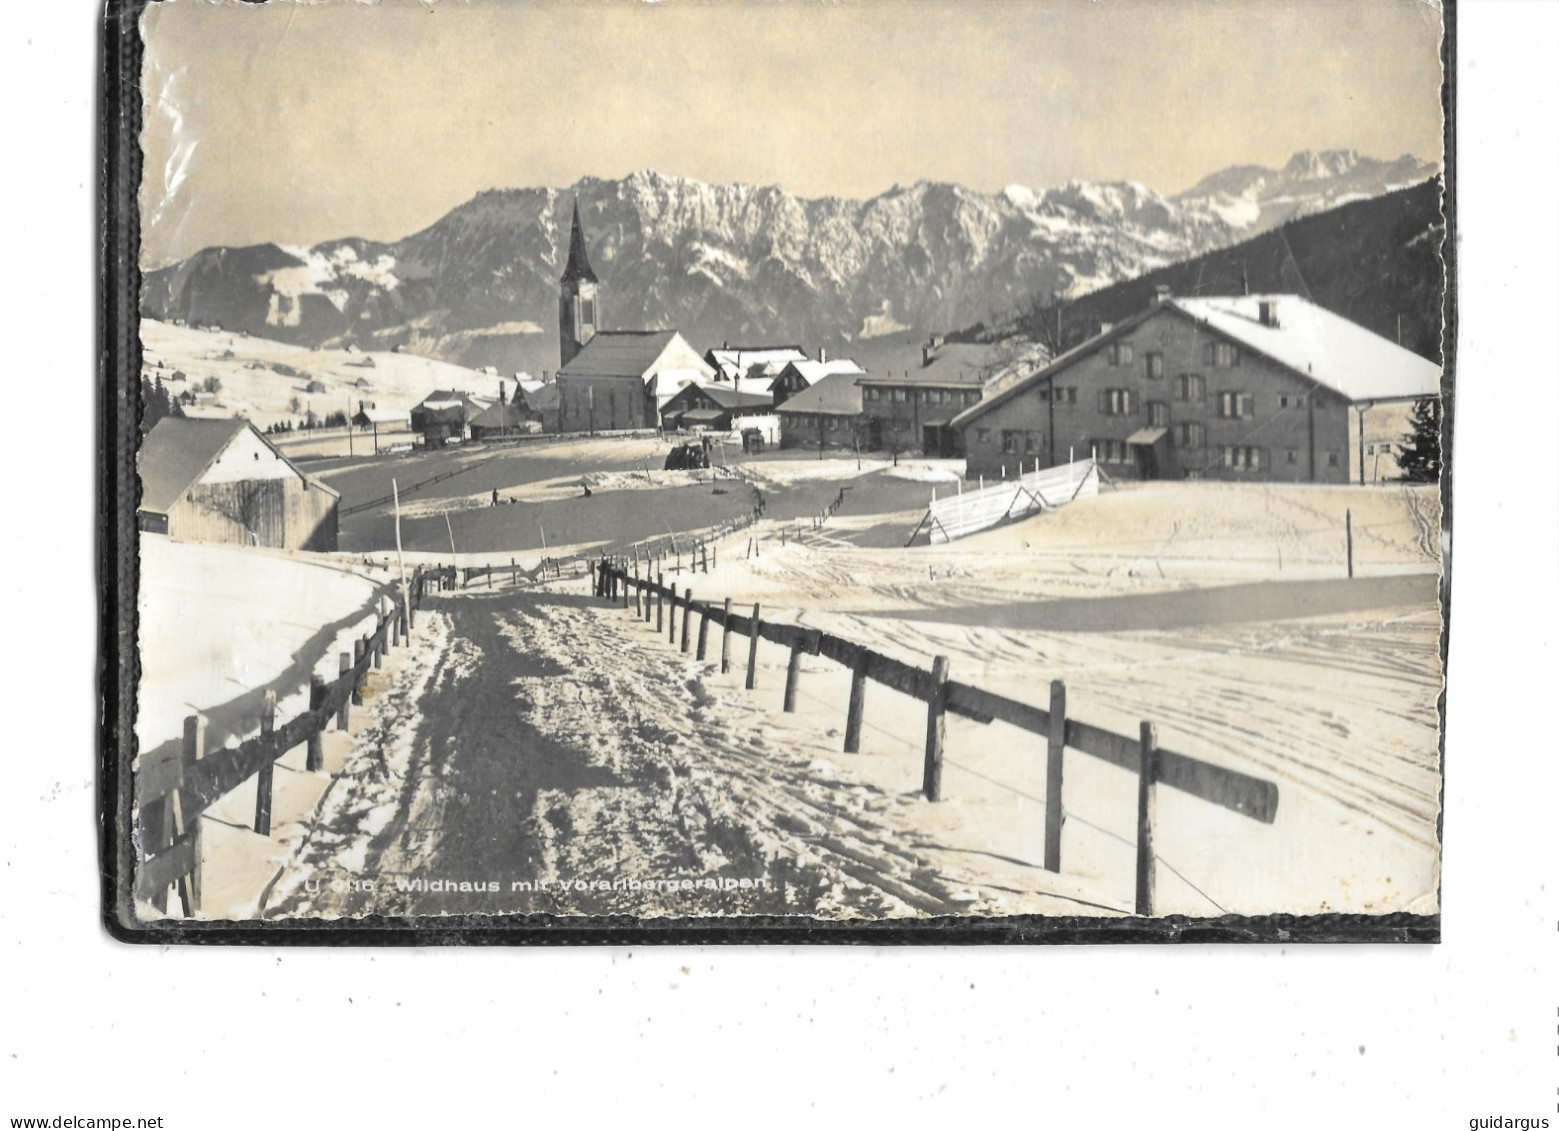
(281,513)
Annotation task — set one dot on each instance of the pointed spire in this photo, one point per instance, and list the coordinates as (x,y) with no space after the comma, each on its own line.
(578,262)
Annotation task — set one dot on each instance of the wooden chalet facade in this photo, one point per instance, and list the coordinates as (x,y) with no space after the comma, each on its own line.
(713,407)
(1259,387)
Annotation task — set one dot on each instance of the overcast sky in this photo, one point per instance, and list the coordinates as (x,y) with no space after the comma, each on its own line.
(297,122)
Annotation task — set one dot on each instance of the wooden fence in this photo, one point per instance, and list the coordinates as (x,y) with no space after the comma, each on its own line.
(173,789)
(1140,755)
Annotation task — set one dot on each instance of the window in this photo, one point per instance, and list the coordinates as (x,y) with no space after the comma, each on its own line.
(1369,451)
(587,311)
(1158,414)
(1155,366)
(982,435)
(1331,459)
(1117,402)
(1293,455)
(1120,353)
(871,393)
(1190,387)
(1234,406)
(1240,457)
(1033,441)
(1190,435)
(1221,355)
(972,397)
(1110,451)
(1009,441)
(901,395)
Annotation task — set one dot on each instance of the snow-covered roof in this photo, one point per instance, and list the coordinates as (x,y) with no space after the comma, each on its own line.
(732,360)
(499,416)
(814,371)
(1356,363)
(178,450)
(955,363)
(834,395)
(1311,340)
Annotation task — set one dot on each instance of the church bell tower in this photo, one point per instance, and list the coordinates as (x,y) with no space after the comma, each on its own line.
(578,310)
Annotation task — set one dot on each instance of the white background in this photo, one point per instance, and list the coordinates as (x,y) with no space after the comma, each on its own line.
(1198,1036)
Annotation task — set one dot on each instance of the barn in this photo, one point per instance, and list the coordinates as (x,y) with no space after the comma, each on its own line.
(1246,387)
(222,481)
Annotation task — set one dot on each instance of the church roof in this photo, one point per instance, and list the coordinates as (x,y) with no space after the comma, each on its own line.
(619,353)
(578,262)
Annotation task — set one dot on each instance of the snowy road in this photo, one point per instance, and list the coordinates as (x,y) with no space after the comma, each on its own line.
(565,764)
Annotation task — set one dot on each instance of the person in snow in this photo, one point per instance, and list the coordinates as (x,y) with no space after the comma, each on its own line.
(495,496)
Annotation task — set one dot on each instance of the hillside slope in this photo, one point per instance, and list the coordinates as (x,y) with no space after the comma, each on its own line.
(1374,261)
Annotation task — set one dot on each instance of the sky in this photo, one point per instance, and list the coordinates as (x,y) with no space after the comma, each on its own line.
(297,121)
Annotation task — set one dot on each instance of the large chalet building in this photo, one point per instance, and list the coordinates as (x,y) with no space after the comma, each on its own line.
(1256,387)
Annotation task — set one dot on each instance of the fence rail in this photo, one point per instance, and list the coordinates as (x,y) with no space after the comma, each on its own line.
(174,787)
(1154,765)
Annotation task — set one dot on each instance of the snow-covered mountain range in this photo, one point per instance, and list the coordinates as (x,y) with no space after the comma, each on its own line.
(741,262)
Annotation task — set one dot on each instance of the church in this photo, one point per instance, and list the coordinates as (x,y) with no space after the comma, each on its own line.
(613,380)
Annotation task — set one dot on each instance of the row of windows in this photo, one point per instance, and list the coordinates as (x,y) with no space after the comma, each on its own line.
(922,396)
(1235,457)
(1215,355)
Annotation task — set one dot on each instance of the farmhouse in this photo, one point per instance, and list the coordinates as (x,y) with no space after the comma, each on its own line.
(915,408)
(715,407)
(445,414)
(222,481)
(502,420)
(826,414)
(799,375)
(1256,387)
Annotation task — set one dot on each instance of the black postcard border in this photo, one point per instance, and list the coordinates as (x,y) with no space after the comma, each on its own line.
(119,358)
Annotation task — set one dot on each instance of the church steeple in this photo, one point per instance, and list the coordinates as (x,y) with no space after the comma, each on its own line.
(578,262)
(578,311)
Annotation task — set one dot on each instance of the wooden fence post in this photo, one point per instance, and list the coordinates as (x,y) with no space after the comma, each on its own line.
(793,675)
(1054,754)
(1349,520)
(376,645)
(687,616)
(344,715)
(857,712)
(752,648)
(936,729)
(395,623)
(638,594)
(595,584)
(703,632)
(660,603)
(194,751)
(725,640)
(358,650)
(263,780)
(1147,775)
(316,752)
(671,631)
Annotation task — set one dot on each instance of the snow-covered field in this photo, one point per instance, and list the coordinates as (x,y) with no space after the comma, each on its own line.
(546,737)
(262,376)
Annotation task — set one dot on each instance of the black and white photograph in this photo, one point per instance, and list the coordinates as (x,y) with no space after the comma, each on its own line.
(811,561)
(588,471)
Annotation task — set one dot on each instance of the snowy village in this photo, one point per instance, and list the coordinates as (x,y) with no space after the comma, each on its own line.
(525,584)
